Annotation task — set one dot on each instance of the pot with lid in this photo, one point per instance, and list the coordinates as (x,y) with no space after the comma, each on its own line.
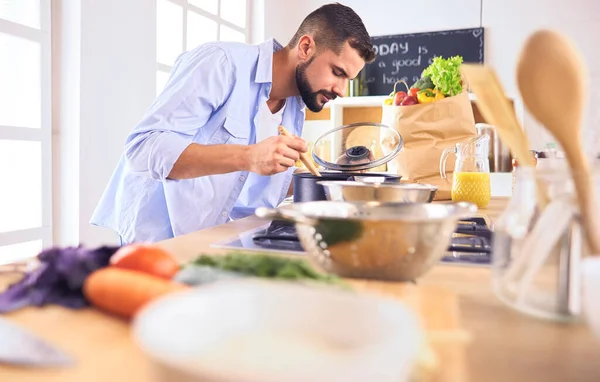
(354,152)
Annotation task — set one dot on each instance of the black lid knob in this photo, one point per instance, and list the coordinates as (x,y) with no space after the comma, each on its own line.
(357,152)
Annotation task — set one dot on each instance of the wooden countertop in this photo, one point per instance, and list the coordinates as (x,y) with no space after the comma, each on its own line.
(474,336)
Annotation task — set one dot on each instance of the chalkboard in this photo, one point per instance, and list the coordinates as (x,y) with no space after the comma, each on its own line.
(405,56)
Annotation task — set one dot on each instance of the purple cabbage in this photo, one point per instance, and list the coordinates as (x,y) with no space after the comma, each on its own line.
(58,279)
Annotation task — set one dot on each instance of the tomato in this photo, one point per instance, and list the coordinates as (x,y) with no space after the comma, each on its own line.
(399,98)
(146,258)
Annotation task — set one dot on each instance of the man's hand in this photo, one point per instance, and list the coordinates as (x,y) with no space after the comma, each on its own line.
(275,154)
(271,156)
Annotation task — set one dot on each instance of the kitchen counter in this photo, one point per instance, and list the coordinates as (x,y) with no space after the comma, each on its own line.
(475,337)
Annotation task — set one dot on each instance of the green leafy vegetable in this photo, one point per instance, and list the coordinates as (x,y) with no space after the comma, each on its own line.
(423,83)
(445,75)
(262,265)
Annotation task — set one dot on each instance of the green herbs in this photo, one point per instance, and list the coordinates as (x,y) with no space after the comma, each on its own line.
(445,75)
(261,265)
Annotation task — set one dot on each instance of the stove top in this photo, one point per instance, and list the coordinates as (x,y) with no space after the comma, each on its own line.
(470,245)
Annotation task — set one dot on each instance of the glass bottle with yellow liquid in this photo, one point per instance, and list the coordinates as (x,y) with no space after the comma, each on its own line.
(471,176)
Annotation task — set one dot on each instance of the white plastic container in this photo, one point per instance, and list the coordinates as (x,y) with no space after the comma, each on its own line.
(254,330)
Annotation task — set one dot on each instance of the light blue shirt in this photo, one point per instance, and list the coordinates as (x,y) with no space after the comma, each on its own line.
(212,97)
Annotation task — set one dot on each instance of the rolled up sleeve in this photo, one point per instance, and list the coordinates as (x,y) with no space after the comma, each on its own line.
(200,82)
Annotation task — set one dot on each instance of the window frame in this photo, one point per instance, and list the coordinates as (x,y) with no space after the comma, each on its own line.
(43,134)
(187,7)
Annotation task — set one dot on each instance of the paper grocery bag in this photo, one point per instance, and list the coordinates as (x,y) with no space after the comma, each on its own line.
(428,129)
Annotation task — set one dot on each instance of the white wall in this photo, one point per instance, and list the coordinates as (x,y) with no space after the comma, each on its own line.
(507,24)
(578,19)
(257,21)
(105,73)
(66,89)
(117,86)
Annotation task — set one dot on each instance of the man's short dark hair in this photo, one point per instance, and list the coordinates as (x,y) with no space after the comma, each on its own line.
(331,26)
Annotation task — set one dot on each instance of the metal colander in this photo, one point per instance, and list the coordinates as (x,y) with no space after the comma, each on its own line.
(373,240)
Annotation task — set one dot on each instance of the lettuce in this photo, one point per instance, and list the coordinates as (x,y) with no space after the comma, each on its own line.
(445,75)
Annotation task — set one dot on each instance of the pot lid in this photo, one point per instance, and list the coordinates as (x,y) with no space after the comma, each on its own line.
(358,146)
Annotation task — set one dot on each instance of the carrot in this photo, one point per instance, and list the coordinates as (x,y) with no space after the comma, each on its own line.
(146,258)
(124,292)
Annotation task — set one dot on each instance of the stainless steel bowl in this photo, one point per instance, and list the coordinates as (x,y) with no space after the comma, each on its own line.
(373,240)
(367,191)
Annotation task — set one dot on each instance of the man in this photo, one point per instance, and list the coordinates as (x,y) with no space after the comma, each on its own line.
(208,150)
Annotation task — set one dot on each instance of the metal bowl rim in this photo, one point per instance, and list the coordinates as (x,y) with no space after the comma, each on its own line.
(461,210)
(350,183)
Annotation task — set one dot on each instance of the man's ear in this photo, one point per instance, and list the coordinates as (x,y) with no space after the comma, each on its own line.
(306,48)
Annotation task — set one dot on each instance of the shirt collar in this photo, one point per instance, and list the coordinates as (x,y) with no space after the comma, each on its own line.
(264,67)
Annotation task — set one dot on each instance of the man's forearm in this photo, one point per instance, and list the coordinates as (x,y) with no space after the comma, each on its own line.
(202,160)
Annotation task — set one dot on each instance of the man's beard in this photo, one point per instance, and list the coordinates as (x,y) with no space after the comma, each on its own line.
(309,97)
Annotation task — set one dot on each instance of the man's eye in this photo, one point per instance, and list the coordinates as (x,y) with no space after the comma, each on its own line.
(337,73)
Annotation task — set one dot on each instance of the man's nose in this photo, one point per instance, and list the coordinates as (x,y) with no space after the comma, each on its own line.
(340,88)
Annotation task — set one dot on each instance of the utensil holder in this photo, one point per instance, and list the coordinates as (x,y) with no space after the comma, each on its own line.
(537,248)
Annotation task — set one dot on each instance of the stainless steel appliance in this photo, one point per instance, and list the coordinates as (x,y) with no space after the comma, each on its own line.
(499,154)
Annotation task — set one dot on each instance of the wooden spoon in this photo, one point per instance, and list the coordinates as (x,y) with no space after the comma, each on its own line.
(303,157)
(548,57)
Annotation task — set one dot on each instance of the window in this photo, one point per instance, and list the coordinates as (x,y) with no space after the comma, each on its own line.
(25,131)
(184,24)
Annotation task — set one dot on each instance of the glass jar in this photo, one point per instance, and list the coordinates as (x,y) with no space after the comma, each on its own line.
(538,245)
(515,164)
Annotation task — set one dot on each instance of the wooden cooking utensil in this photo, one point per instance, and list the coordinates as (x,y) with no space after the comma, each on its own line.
(495,108)
(546,57)
(303,157)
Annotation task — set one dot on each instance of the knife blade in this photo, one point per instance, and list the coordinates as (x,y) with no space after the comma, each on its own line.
(21,347)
